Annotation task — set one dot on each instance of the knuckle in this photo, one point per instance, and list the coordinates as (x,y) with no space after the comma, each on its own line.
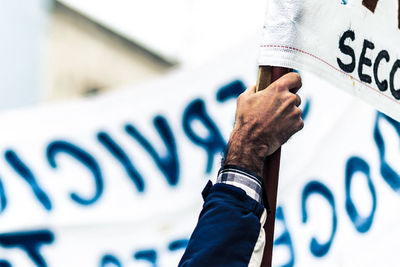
(297,77)
(299,99)
(298,112)
(292,98)
(279,85)
(300,124)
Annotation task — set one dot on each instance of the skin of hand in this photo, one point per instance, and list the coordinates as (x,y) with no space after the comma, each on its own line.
(264,121)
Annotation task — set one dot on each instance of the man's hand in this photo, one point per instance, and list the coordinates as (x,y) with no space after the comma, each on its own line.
(264,121)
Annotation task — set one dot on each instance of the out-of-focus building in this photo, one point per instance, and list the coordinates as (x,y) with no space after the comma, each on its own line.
(50,52)
(62,49)
(96,45)
(84,57)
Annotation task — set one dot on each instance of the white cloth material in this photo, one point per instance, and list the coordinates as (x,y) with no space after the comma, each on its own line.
(305,35)
(123,221)
(258,252)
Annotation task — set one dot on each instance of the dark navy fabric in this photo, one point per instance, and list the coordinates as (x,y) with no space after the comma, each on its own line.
(227,230)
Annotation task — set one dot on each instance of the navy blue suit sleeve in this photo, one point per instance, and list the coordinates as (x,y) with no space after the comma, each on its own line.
(227,231)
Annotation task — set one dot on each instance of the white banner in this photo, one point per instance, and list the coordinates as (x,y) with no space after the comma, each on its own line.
(354,44)
(116,180)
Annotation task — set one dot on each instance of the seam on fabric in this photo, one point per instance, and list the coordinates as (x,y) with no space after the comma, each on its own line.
(330,65)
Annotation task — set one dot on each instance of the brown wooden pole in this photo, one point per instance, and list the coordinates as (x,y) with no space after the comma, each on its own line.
(266,76)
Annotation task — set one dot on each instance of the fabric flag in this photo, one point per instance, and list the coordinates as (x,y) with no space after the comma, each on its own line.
(353,44)
(116,180)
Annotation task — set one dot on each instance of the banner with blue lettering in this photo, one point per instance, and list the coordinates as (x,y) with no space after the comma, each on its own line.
(115,180)
(351,43)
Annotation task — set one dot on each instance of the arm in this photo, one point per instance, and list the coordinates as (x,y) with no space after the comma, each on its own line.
(230,227)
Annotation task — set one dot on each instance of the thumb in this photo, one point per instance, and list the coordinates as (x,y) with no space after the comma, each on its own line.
(250,90)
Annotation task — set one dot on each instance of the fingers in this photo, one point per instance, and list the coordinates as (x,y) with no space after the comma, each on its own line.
(297,101)
(293,82)
(290,82)
(294,123)
(298,124)
(290,101)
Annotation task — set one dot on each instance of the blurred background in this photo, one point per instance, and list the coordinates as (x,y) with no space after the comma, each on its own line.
(115,114)
(74,76)
(56,50)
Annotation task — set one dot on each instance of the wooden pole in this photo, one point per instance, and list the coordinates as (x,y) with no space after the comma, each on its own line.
(266,76)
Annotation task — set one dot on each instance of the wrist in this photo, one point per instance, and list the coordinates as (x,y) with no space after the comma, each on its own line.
(244,179)
(246,152)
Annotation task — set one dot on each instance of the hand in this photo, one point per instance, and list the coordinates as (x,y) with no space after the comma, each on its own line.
(264,121)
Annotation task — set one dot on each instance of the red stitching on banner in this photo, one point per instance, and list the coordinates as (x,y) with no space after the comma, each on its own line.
(330,65)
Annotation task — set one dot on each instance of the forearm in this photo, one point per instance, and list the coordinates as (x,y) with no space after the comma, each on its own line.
(241,153)
(230,228)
